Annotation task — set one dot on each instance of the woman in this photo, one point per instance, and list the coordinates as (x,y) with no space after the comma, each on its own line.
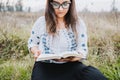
(58,31)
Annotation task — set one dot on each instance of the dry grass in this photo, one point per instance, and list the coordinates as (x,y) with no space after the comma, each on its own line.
(103,42)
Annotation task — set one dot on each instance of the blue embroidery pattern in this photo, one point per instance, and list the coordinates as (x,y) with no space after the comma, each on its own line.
(82,35)
(44,41)
(73,44)
(33,32)
(83,44)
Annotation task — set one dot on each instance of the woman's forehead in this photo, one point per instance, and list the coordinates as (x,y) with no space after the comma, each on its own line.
(61,1)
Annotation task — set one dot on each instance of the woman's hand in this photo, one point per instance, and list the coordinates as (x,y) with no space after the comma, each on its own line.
(75,59)
(36,52)
(68,59)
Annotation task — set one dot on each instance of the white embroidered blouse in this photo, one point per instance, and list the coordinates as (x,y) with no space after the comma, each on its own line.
(64,40)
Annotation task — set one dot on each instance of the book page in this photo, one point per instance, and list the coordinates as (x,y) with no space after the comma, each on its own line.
(58,56)
(48,57)
(70,54)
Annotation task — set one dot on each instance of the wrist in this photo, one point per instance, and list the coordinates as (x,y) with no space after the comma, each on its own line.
(34,50)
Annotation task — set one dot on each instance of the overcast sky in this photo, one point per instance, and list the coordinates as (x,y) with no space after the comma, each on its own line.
(91,5)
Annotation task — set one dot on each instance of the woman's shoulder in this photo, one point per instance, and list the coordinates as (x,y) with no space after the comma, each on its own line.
(40,24)
(40,20)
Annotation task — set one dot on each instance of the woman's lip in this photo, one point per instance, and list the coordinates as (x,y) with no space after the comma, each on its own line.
(60,12)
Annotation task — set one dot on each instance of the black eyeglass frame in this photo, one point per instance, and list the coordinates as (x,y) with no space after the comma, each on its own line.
(60,4)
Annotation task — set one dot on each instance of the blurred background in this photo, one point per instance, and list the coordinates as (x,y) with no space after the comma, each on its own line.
(38,5)
(17,17)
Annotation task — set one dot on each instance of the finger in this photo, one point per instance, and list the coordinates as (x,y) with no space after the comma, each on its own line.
(36,55)
(67,59)
(35,58)
(39,52)
(75,59)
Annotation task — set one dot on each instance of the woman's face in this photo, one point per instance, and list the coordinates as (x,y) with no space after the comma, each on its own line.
(61,7)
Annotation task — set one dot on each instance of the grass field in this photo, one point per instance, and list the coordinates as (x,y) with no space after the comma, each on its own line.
(103,41)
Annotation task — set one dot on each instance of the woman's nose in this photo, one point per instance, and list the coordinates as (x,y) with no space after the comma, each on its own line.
(61,8)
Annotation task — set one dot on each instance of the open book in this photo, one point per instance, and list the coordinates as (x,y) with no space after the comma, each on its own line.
(58,56)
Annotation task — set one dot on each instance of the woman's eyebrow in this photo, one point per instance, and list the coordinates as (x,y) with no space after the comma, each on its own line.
(55,1)
(62,2)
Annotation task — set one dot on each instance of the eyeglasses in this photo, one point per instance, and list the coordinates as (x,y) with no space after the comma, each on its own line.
(57,5)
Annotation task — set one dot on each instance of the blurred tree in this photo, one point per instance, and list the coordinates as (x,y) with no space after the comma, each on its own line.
(9,6)
(85,10)
(114,10)
(29,9)
(0,6)
(19,6)
(113,7)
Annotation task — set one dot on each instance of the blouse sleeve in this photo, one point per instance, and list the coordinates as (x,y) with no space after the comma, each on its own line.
(82,47)
(36,32)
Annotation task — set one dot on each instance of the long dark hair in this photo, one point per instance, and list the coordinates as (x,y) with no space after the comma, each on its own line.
(70,18)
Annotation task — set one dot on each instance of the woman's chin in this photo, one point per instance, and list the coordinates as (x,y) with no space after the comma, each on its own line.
(60,16)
